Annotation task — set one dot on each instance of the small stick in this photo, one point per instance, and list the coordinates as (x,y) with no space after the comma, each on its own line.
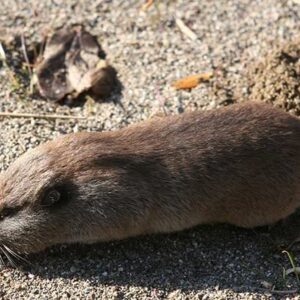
(161,101)
(25,54)
(26,115)
(2,53)
(279,292)
(297,240)
(186,30)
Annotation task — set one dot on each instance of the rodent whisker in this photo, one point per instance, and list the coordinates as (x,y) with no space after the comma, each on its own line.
(1,259)
(16,255)
(11,261)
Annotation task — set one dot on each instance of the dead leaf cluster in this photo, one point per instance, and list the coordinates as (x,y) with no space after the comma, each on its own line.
(72,63)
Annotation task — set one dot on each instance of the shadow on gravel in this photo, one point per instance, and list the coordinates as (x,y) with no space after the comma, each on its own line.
(222,257)
(115,96)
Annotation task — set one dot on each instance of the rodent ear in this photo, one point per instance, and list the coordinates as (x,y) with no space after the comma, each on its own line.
(51,197)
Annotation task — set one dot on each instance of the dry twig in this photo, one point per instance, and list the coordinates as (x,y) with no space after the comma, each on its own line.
(25,54)
(2,53)
(279,292)
(186,30)
(27,115)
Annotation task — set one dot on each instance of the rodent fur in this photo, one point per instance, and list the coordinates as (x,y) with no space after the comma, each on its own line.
(237,165)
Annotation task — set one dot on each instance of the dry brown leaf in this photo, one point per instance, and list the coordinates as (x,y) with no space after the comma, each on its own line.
(73,62)
(191,81)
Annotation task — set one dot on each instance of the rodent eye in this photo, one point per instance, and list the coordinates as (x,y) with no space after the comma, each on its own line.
(56,196)
(52,197)
(6,212)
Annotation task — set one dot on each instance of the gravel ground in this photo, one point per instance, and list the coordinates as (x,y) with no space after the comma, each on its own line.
(149,51)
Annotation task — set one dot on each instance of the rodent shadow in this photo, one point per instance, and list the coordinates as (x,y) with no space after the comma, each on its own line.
(206,256)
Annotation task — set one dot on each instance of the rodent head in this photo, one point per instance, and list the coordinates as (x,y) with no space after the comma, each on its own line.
(41,199)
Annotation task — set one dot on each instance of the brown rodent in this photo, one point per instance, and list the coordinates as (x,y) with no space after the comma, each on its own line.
(238,165)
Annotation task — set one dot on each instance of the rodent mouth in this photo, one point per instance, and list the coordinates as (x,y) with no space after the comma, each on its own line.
(14,252)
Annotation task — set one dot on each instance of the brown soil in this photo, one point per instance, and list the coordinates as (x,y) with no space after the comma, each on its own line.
(276,78)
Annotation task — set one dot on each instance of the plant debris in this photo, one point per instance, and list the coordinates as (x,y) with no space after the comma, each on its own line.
(191,81)
(73,62)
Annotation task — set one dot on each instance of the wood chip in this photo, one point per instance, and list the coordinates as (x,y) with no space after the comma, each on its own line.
(147,5)
(191,81)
